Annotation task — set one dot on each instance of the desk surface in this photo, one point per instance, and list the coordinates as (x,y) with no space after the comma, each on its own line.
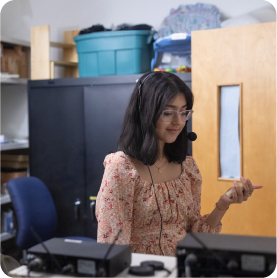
(169,263)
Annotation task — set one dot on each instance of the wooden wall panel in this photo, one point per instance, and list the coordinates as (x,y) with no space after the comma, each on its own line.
(238,55)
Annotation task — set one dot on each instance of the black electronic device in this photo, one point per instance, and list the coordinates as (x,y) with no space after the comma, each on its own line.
(147,268)
(80,258)
(222,255)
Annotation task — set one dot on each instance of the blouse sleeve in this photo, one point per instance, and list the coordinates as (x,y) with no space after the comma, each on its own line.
(114,204)
(197,223)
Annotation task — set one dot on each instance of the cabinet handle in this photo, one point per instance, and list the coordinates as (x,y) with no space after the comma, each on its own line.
(77,209)
(92,210)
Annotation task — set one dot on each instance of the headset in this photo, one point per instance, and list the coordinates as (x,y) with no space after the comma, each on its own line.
(143,136)
(140,102)
(191,136)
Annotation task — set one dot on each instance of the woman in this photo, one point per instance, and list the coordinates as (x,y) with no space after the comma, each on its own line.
(151,189)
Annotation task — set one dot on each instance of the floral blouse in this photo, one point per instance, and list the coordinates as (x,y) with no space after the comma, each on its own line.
(128,202)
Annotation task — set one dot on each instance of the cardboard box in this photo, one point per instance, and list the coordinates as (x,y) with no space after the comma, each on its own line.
(6,176)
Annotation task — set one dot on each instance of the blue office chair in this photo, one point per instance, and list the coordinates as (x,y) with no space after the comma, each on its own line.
(34,208)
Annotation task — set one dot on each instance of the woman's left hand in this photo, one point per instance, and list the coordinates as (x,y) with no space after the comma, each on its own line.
(238,194)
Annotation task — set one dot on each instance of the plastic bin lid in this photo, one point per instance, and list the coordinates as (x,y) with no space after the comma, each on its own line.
(109,34)
(168,44)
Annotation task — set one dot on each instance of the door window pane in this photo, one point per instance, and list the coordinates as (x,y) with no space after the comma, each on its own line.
(230,164)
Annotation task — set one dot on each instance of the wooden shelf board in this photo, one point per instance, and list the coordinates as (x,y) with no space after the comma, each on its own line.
(13,81)
(6,236)
(62,45)
(65,64)
(15,41)
(14,146)
(5,199)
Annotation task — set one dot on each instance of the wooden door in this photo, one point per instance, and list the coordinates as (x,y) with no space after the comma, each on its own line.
(245,56)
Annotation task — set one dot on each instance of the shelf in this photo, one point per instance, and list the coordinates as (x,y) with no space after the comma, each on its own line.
(42,66)
(14,81)
(5,199)
(15,60)
(63,63)
(15,41)
(6,236)
(14,145)
(62,45)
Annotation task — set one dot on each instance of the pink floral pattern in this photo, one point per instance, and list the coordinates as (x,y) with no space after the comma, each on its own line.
(126,201)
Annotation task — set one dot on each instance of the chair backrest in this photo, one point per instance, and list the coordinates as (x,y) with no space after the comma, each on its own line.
(34,207)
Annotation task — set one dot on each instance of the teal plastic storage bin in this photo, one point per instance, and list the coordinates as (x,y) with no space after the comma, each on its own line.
(114,52)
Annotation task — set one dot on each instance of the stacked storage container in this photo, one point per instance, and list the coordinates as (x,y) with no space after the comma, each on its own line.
(114,52)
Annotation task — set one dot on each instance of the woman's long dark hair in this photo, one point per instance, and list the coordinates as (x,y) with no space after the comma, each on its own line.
(158,89)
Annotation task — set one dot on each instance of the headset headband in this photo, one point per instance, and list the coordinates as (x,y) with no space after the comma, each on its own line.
(139,90)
